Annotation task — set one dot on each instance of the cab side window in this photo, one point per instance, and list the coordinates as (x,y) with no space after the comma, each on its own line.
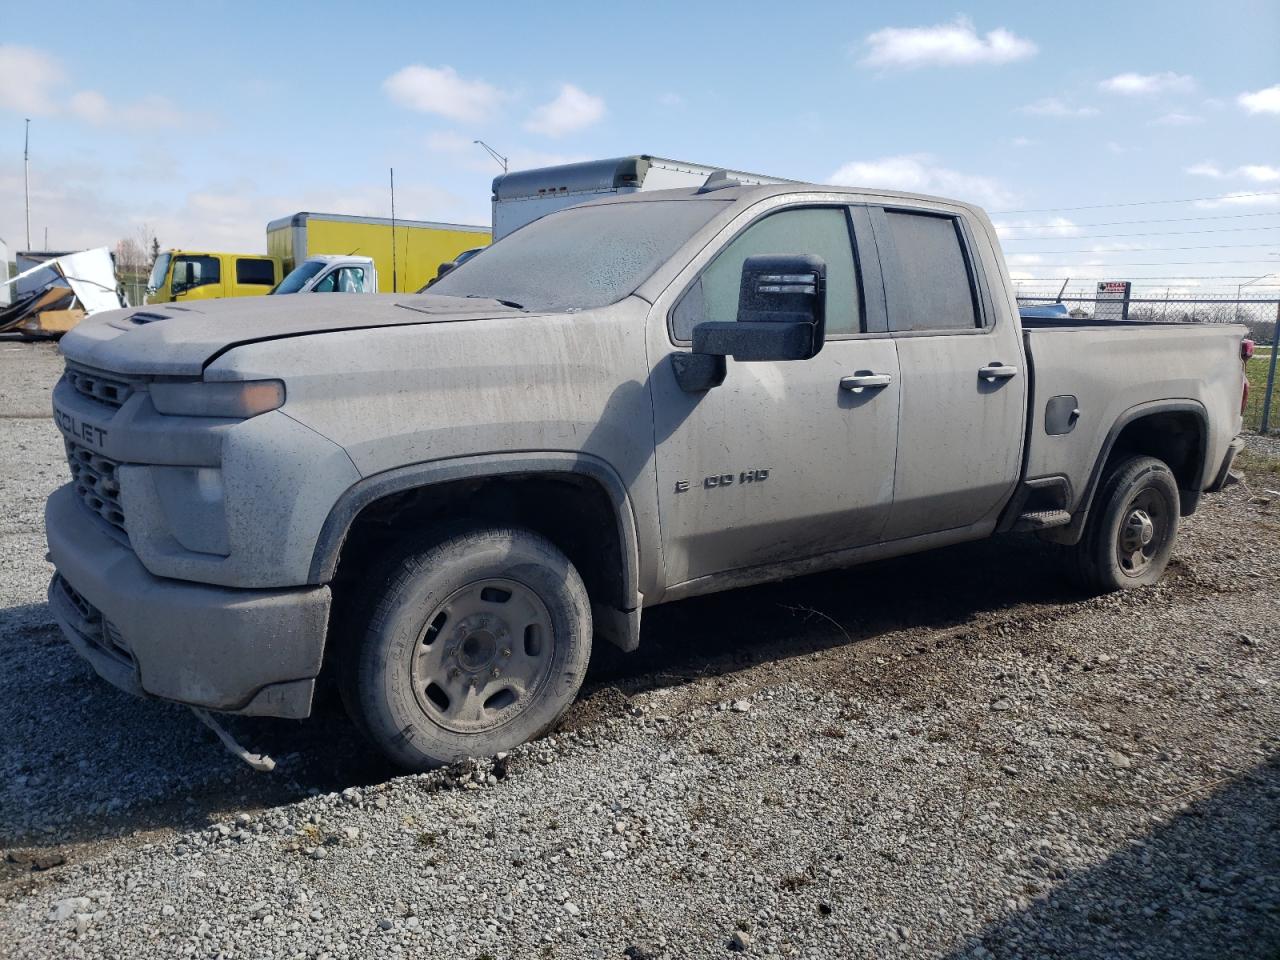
(350,280)
(342,280)
(195,271)
(822,231)
(937,287)
(261,272)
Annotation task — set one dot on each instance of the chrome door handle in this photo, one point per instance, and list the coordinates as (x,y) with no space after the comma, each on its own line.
(863,381)
(997,371)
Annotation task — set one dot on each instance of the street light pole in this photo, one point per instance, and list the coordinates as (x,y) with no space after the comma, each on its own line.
(493,153)
(1241,286)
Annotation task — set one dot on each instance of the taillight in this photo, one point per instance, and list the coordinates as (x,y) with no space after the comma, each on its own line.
(1246,349)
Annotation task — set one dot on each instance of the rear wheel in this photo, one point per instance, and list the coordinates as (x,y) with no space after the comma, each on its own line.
(473,645)
(1129,536)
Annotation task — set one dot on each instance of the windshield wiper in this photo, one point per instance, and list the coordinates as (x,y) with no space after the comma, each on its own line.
(506,303)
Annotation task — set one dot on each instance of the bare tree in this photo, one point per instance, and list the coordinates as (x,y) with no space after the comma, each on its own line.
(131,259)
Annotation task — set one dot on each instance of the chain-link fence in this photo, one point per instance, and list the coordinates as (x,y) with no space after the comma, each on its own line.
(1259,315)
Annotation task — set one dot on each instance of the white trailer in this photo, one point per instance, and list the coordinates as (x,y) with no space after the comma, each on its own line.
(525,195)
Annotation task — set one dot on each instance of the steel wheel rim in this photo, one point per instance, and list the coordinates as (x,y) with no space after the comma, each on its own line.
(1142,532)
(482,656)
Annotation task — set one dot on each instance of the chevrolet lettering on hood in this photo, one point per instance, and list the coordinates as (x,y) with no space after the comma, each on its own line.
(78,430)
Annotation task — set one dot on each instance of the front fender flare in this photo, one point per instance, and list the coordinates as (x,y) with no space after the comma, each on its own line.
(328,548)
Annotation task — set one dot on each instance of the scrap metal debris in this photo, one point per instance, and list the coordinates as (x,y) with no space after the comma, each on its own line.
(53,295)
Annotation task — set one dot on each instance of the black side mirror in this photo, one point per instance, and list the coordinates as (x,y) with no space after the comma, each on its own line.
(782,315)
(444,268)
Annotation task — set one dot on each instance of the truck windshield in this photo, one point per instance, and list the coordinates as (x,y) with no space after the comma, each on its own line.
(158,272)
(582,257)
(298,276)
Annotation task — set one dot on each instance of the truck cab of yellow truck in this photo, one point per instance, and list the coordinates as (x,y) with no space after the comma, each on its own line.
(202,275)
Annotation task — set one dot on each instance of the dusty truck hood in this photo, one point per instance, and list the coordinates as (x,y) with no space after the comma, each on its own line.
(180,339)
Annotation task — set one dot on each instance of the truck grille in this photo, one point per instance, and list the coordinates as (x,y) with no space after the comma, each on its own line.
(96,483)
(102,387)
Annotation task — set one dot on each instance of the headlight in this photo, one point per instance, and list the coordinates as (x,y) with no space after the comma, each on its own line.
(235,399)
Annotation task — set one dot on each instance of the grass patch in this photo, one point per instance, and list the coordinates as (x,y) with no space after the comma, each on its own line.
(1256,465)
(1256,371)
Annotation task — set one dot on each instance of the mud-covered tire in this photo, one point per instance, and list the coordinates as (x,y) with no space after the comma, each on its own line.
(1129,535)
(468,646)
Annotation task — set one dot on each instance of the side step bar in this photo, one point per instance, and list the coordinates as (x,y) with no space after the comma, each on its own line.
(1041,520)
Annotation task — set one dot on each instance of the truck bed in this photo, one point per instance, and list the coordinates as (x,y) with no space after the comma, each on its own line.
(1113,369)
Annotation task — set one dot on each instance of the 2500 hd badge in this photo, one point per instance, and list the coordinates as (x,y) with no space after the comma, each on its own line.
(77,430)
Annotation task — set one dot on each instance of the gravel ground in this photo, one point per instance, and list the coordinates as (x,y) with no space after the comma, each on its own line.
(944,756)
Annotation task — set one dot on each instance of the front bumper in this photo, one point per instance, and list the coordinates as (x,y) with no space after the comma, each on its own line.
(235,650)
(1220,480)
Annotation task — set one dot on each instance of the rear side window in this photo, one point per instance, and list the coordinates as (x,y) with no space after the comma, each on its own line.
(256,271)
(823,231)
(936,290)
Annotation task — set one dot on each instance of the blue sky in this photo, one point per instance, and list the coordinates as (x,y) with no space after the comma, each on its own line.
(206,125)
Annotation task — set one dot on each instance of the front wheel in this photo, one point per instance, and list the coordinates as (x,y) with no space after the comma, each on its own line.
(1129,535)
(473,646)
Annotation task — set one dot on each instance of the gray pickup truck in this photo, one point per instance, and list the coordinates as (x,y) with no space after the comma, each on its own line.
(439,499)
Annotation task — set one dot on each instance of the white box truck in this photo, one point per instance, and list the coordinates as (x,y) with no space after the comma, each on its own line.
(525,195)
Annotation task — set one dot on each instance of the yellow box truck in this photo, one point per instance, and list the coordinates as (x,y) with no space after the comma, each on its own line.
(420,245)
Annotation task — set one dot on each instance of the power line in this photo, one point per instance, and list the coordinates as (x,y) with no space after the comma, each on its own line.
(1121,223)
(1220,276)
(1149,233)
(1159,263)
(1139,203)
(1206,246)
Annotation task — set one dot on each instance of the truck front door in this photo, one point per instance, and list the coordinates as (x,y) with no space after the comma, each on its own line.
(963,405)
(784,460)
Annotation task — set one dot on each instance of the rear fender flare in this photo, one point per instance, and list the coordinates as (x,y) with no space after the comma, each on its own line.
(1074,530)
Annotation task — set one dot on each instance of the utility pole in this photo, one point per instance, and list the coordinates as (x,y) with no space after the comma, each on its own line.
(26,176)
(493,153)
(394,287)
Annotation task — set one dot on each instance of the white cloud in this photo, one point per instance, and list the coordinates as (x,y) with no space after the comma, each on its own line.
(1206,170)
(1242,198)
(1032,229)
(441,91)
(945,45)
(33,83)
(1257,172)
(573,109)
(148,113)
(673,100)
(1266,100)
(1145,84)
(918,173)
(29,80)
(1022,142)
(1176,119)
(1054,107)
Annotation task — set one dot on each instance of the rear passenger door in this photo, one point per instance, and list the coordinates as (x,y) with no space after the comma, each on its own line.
(964,385)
